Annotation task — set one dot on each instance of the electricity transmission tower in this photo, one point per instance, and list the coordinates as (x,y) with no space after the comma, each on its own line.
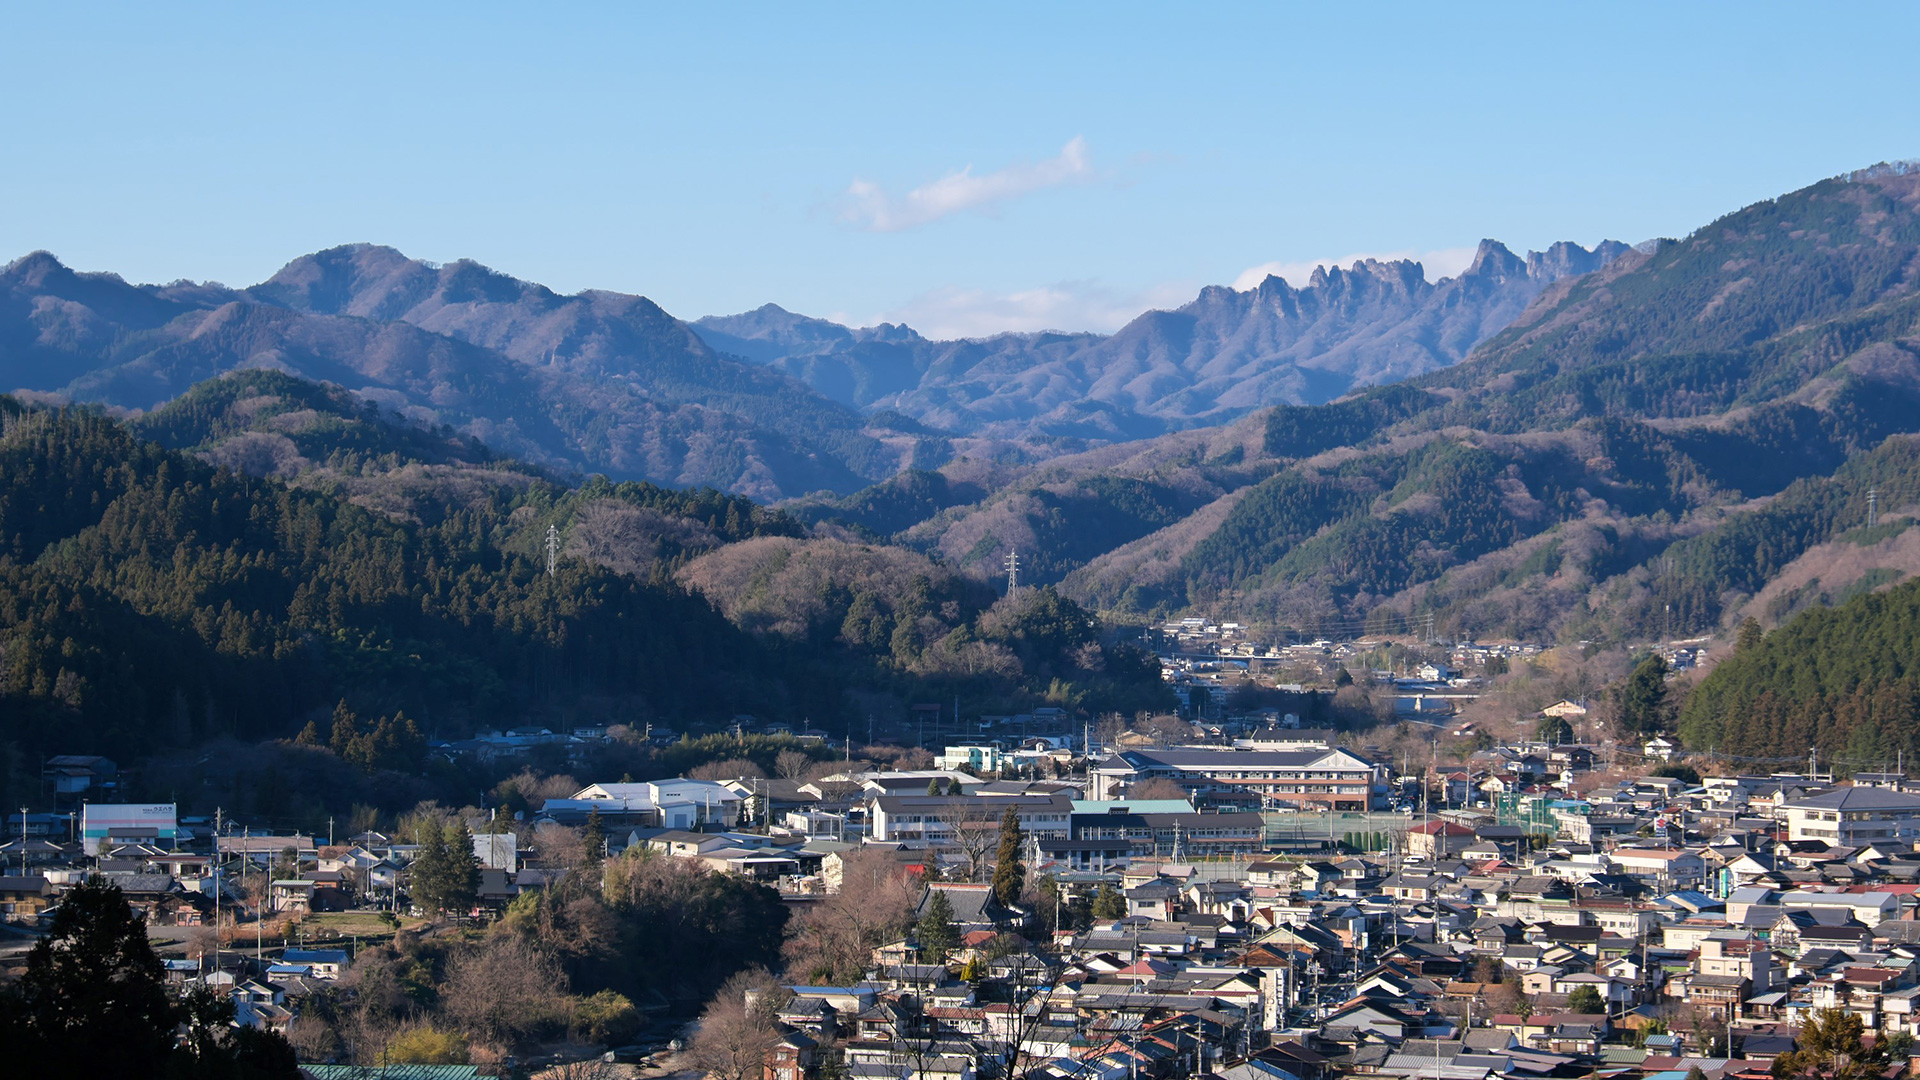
(553,549)
(1012,564)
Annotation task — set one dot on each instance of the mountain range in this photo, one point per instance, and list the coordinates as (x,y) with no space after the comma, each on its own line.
(1695,433)
(1225,354)
(1683,437)
(1667,437)
(598,382)
(767,404)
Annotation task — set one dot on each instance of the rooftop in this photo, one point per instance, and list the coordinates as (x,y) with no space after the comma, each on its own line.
(1860,798)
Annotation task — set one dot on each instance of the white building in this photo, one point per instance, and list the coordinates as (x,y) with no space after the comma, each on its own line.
(1308,778)
(933,818)
(1853,816)
(666,804)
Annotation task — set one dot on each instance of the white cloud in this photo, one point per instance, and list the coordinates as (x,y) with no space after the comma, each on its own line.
(871,208)
(955,312)
(1445,262)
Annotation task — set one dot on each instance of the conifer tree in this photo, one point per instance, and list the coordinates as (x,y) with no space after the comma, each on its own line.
(935,929)
(1640,705)
(93,1000)
(593,843)
(1009,874)
(463,869)
(1831,1048)
(446,875)
(428,874)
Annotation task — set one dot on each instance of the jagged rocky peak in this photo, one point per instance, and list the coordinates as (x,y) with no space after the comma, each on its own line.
(889,332)
(1566,259)
(1494,262)
(1401,277)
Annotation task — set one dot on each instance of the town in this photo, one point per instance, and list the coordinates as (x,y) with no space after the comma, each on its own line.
(1216,895)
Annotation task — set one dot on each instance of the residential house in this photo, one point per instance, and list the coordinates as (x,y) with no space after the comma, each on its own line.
(24,897)
(1438,839)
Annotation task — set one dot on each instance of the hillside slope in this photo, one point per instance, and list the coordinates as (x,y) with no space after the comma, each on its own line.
(1843,679)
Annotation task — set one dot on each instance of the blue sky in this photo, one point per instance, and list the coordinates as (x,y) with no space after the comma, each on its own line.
(967,168)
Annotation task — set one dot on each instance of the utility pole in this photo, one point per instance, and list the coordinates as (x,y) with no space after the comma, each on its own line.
(259,908)
(553,549)
(23,841)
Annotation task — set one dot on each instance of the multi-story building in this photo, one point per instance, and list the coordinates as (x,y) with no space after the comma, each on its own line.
(1738,954)
(1853,816)
(1312,778)
(933,818)
(1178,831)
(983,758)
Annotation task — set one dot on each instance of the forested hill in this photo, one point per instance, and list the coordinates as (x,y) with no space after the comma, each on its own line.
(1844,679)
(152,599)
(269,423)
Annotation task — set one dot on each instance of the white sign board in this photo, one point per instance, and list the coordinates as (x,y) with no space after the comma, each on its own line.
(98,821)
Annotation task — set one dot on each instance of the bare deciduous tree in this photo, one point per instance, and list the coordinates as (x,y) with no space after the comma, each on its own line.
(505,990)
(313,1038)
(727,769)
(735,1035)
(1158,787)
(555,844)
(1165,730)
(834,940)
(972,828)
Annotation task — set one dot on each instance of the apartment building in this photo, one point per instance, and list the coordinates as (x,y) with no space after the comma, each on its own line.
(1308,779)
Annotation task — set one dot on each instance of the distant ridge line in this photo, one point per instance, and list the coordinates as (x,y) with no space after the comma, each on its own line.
(1901,167)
